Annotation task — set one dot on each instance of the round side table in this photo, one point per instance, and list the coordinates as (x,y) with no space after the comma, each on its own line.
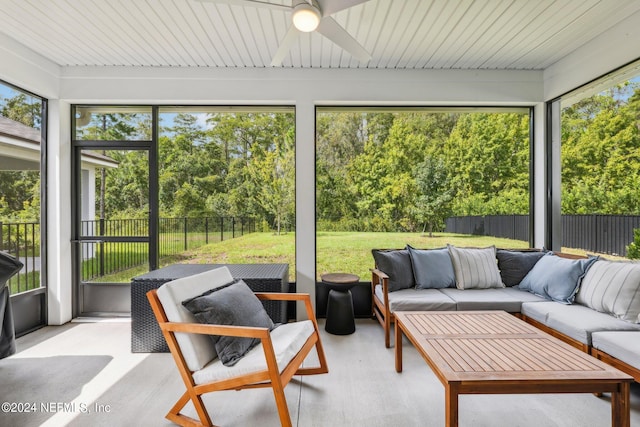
(340,318)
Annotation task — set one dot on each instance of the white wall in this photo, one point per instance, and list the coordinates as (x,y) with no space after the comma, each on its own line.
(612,49)
(59,213)
(26,69)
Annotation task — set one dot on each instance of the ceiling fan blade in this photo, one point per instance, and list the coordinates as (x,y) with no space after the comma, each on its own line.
(285,46)
(333,31)
(329,7)
(250,3)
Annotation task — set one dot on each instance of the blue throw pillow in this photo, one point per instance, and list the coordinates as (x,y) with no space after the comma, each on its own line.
(432,268)
(556,278)
(397,265)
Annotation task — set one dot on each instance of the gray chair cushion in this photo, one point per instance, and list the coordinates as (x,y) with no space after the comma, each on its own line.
(475,268)
(556,278)
(612,288)
(579,322)
(286,339)
(234,305)
(397,265)
(432,268)
(417,300)
(623,345)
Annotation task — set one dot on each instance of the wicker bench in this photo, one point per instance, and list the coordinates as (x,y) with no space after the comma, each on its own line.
(146,336)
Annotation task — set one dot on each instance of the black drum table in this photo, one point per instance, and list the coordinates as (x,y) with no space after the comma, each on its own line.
(340,318)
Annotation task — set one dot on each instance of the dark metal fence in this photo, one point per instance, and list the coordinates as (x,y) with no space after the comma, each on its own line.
(22,240)
(507,226)
(175,236)
(606,234)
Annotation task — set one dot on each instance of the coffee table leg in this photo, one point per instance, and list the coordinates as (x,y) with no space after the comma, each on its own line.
(398,345)
(451,405)
(620,407)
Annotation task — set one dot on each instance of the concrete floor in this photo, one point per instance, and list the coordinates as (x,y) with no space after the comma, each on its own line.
(83,374)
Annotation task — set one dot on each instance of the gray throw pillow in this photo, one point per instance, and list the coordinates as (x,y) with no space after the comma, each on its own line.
(556,278)
(235,305)
(515,264)
(475,268)
(432,268)
(397,265)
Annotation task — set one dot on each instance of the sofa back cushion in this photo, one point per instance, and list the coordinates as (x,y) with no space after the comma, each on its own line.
(475,268)
(397,265)
(432,268)
(515,264)
(556,278)
(612,287)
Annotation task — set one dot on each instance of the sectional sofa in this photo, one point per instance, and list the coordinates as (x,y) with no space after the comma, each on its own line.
(588,302)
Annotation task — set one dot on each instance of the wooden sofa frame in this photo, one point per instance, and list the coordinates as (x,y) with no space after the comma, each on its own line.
(383,314)
(271,377)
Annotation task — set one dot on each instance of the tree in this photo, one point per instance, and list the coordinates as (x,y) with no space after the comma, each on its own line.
(435,193)
(488,155)
(23,109)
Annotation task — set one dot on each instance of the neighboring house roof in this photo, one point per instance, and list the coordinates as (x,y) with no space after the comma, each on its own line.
(15,129)
(18,141)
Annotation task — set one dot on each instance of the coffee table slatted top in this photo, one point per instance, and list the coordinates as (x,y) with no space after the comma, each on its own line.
(470,346)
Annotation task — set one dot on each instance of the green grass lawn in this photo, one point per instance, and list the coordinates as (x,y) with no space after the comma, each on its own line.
(336,251)
(348,252)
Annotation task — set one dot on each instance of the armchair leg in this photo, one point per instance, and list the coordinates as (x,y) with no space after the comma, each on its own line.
(176,417)
(281,403)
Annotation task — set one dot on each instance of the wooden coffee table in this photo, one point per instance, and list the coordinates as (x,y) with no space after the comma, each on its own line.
(493,352)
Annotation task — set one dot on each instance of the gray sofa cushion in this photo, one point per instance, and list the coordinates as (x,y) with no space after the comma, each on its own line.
(556,278)
(397,265)
(623,345)
(539,311)
(432,268)
(613,288)
(579,322)
(475,268)
(486,299)
(418,300)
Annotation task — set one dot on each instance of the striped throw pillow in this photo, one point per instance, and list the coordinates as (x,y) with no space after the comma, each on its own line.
(612,287)
(475,268)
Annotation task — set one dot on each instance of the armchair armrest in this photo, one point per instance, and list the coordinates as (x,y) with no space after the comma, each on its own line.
(278,296)
(226,330)
(383,279)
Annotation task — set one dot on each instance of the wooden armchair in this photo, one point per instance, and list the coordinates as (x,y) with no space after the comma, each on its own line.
(272,363)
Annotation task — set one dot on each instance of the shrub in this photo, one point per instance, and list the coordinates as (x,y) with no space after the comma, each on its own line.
(633,249)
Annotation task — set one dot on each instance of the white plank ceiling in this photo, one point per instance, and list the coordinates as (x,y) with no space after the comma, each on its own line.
(399,34)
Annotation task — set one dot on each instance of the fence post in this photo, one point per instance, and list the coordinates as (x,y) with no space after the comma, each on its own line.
(221,228)
(206,230)
(1,236)
(233,227)
(185,233)
(101,261)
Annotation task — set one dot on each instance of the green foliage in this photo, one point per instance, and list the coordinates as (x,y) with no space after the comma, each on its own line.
(633,249)
(415,169)
(435,193)
(601,154)
(23,109)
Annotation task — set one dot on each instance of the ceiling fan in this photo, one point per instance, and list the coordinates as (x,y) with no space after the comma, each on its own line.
(307,16)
